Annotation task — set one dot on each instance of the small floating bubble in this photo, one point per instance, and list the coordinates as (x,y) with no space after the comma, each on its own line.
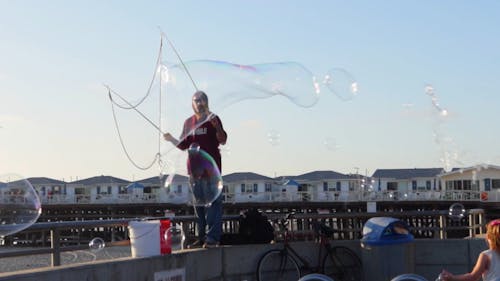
(456,211)
(97,244)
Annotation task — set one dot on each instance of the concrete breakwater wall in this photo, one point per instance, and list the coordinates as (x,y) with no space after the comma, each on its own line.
(238,263)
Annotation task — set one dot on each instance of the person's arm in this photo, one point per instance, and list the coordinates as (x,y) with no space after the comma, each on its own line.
(220,134)
(176,142)
(170,138)
(480,267)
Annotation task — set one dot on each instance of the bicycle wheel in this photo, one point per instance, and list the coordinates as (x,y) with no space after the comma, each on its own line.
(342,264)
(316,277)
(277,265)
(409,277)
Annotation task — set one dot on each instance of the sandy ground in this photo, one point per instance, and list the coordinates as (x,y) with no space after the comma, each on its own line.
(37,261)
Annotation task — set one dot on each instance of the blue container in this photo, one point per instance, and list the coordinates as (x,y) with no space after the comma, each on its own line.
(387,249)
(385,231)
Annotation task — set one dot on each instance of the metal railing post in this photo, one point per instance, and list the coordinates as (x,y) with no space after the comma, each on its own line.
(442,227)
(55,245)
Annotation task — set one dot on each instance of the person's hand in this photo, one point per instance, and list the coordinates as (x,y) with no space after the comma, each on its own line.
(445,276)
(168,137)
(215,122)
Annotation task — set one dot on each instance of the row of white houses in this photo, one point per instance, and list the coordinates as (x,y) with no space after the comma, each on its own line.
(477,183)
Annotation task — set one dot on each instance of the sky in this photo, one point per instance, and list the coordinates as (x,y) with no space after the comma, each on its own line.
(56,120)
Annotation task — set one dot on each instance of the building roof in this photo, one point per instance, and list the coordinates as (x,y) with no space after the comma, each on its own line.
(44,180)
(317,175)
(133,185)
(245,176)
(158,180)
(291,182)
(407,173)
(478,167)
(101,180)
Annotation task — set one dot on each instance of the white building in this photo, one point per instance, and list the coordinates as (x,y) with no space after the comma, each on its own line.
(480,182)
(50,190)
(97,190)
(403,184)
(167,189)
(248,187)
(326,186)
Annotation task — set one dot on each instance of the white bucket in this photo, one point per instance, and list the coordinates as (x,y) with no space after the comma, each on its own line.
(144,238)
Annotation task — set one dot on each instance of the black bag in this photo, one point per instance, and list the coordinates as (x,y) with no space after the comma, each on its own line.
(255,228)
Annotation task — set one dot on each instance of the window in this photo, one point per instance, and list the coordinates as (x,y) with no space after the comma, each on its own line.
(495,183)
(414,185)
(352,185)
(449,185)
(475,185)
(98,189)
(467,185)
(392,186)
(79,190)
(179,188)
(428,185)
(109,189)
(268,187)
(487,184)
(122,189)
(242,188)
(461,185)
(325,186)
(255,188)
(338,186)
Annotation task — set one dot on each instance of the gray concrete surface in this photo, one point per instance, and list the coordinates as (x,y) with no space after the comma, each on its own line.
(237,263)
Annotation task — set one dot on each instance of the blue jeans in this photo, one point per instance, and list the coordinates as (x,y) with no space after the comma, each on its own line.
(210,215)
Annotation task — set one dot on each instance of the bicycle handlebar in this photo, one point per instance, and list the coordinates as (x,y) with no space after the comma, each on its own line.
(319,228)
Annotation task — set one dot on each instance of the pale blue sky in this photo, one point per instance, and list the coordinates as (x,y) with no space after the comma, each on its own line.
(56,120)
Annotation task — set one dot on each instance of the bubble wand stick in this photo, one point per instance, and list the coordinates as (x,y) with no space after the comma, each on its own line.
(133,107)
(163,34)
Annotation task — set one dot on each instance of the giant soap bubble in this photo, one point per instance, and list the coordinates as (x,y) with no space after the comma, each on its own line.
(20,205)
(287,84)
(205,181)
(264,96)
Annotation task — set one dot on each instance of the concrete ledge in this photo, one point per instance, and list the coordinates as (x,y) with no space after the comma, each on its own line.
(238,263)
(454,255)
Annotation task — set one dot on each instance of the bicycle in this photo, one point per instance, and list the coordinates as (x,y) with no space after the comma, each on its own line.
(338,262)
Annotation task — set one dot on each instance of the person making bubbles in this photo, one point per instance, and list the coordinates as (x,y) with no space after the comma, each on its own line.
(203,130)
(488,262)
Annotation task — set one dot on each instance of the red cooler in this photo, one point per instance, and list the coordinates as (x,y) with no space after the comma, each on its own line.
(165,244)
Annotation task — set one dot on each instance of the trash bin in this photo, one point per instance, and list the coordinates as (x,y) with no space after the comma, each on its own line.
(387,249)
